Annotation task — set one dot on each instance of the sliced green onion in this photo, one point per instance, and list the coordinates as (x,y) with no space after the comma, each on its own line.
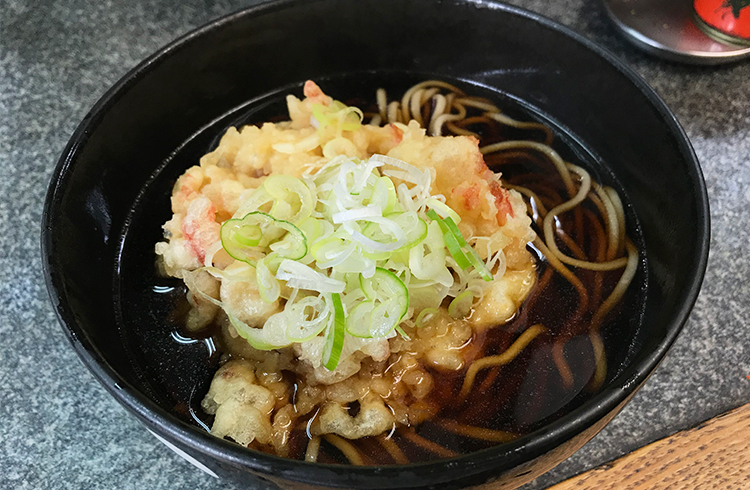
(388,302)
(274,330)
(414,227)
(338,115)
(405,172)
(463,253)
(268,286)
(474,258)
(425,316)
(337,105)
(311,228)
(427,259)
(385,286)
(385,317)
(319,113)
(350,234)
(257,200)
(335,335)
(461,305)
(246,239)
(331,251)
(402,333)
(298,275)
(456,232)
(384,195)
(357,262)
(358,320)
(479,264)
(443,209)
(293,201)
(450,241)
(354,123)
(292,246)
(299,327)
(249,235)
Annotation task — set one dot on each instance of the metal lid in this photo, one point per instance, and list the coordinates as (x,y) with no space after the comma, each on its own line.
(667,28)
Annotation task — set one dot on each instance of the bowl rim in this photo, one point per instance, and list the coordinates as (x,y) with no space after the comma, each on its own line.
(518,451)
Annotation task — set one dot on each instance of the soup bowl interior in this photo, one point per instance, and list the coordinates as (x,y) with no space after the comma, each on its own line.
(220,72)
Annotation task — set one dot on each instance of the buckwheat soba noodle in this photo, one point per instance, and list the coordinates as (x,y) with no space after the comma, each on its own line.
(411,283)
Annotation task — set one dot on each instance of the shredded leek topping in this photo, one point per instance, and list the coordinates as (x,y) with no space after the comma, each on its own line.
(337,115)
(348,246)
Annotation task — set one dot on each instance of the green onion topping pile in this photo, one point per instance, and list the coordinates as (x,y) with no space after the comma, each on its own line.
(347,246)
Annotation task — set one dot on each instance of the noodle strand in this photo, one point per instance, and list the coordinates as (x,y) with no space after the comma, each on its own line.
(503,119)
(390,445)
(313,448)
(474,432)
(523,340)
(346,448)
(611,301)
(553,156)
(428,445)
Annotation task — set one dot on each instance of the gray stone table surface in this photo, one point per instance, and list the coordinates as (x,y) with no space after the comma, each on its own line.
(58,427)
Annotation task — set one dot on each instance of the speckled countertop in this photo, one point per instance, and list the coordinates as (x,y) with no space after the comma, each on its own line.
(58,427)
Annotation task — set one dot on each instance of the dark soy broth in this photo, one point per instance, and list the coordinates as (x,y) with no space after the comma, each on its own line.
(176,368)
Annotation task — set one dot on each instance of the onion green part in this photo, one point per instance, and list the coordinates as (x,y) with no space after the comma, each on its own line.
(425,316)
(386,304)
(443,209)
(463,253)
(479,264)
(474,258)
(451,242)
(249,238)
(341,117)
(335,335)
(461,305)
(402,333)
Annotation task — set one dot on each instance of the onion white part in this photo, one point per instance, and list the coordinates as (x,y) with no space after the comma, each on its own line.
(385,318)
(410,172)
(298,275)
(299,328)
(268,286)
(274,330)
(427,260)
(357,214)
(365,174)
(405,199)
(442,209)
(208,261)
(333,253)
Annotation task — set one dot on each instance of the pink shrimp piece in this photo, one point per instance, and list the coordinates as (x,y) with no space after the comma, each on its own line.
(502,196)
(398,134)
(186,189)
(200,227)
(502,202)
(314,93)
(470,195)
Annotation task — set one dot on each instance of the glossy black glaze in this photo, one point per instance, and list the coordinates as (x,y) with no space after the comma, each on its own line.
(137,125)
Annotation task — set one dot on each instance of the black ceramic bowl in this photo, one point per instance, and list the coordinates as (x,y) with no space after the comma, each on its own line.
(166,112)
